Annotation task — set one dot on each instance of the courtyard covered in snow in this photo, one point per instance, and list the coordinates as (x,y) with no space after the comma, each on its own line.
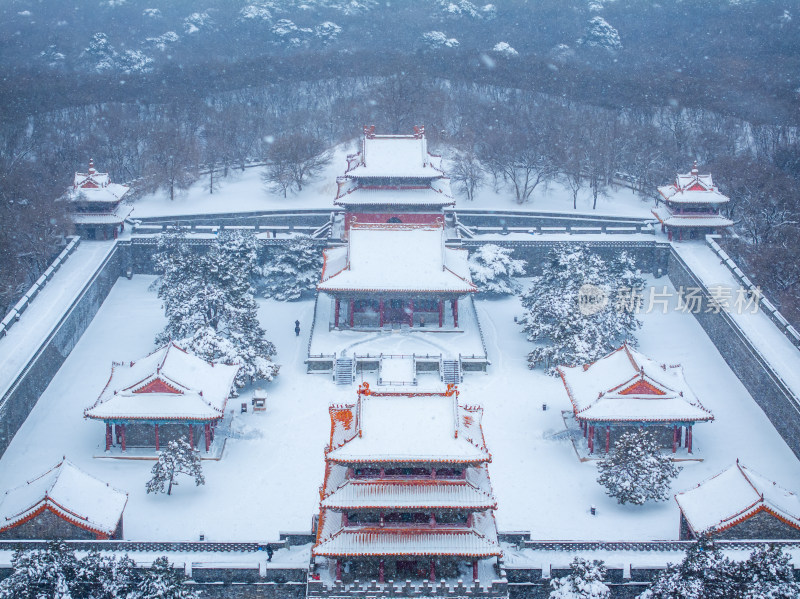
(268,477)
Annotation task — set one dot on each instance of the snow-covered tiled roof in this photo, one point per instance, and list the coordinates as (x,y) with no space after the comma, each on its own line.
(395,156)
(693,188)
(110,194)
(734,495)
(69,493)
(169,384)
(113,217)
(378,542)
(397,196)
(404,428)
(95,187)
(667,217)
(396,258)
(404,494)
(625,385)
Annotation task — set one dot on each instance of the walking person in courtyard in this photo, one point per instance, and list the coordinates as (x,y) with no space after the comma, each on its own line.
(296,328)
(269,552)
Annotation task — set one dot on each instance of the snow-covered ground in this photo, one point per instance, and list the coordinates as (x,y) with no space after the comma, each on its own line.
(268,478)
(244,191)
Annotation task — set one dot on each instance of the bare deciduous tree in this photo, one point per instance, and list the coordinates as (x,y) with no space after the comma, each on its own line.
(293,159)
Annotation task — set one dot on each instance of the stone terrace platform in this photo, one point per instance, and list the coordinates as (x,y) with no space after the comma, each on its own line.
(428,346)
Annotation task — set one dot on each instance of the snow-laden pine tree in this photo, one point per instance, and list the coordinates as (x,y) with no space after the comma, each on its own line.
(163,581)
(635,470)
(55,572)
(563,326)
(492,269)
(209,303)
(767,574)
(704,573)
(48,572)
(585,581)
(109,576)
(178,458)
(292,270)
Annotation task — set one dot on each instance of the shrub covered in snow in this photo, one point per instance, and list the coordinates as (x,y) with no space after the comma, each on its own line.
(636,471)
(209,302)
(292,270)
(437,39)
(504,49)
(600,34)
(564,329)
(492,269)
(584,582)
(178,458)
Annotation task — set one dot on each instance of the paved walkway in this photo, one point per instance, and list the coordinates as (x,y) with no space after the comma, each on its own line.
(47,309)
(773,345)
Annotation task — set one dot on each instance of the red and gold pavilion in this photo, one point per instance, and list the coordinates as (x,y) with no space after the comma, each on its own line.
(407,493)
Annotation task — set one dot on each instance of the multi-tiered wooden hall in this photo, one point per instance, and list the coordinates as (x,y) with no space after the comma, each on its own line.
(395,270)
(393,179)
(406,496)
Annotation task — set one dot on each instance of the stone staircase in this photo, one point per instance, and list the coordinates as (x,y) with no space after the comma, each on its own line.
(450,371)
(344,371)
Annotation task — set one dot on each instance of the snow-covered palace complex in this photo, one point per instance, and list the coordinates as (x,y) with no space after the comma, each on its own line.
(393,296)
(339,440)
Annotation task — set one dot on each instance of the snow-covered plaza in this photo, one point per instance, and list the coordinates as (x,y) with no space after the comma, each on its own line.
(269,475)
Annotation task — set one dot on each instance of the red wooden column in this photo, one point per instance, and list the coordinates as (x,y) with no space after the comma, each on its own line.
(208,436)
(108,436)
(381,311)
(585,429)
(336,313)
(433,570)
(352,313)
(122,436)
(441,312)
(381,571)
(674,439)
(157,445)
(608,437)
(591,438)
(689,438)
(411,313)
(455,312)
(474,569)
(339,570)
(191,435)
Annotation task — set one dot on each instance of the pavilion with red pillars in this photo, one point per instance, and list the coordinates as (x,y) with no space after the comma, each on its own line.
(691,206)
(406,493)
(167,395)
(626,389)
(395,274)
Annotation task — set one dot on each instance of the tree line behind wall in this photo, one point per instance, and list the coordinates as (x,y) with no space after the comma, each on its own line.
(514,139)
